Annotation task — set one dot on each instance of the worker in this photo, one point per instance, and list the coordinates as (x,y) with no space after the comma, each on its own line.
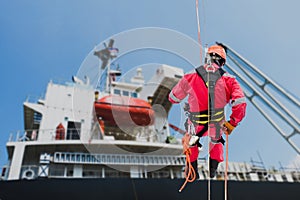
(209,89)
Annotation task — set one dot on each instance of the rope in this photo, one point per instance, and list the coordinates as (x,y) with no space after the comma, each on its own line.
(189,172)
(198,23)
(208,141)
(226,170)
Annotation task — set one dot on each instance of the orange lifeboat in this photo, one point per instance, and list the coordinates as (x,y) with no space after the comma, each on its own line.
(124,110)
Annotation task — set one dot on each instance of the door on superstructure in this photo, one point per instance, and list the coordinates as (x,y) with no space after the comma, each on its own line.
(73,130)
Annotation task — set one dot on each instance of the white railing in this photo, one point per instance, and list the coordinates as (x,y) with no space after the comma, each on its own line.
(70,134)
(33,134)
(118,159)
(23,135)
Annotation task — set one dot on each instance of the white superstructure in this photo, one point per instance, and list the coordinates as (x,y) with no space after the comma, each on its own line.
(64,123)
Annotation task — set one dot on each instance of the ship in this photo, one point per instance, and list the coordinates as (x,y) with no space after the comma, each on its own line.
(116,143)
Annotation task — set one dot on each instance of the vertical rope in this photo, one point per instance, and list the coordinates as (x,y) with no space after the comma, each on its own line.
(208,140)
(226,170)
(198,23)
(201,60)
(203,25)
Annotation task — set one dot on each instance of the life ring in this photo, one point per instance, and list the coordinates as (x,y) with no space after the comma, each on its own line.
(28,174)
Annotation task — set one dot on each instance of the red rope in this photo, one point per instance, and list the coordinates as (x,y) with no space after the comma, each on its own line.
(198,23)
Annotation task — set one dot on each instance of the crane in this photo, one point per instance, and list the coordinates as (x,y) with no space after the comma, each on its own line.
(268,97)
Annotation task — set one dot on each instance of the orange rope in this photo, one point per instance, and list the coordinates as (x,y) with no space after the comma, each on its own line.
(189,172)
(226,169)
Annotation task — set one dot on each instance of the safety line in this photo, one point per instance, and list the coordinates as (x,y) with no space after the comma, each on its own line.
(201,60)
(208,141)
(226,170)
(198,23)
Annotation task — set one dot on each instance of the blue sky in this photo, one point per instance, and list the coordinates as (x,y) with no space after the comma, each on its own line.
(43,40)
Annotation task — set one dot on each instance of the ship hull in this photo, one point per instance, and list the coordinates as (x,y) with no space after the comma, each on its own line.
(144,189)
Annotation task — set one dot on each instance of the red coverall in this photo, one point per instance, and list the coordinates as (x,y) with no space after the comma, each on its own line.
(227,90)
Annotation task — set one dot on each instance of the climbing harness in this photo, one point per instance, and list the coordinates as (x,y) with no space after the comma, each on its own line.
(210,76)
(202,118)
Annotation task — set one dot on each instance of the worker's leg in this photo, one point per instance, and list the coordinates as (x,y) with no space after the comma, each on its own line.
(216,156)
(194,158)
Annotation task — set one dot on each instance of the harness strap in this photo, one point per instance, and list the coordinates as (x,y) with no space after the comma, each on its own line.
(203,117)
(201,71)
(215,115)
(221,140)
(211,83)
(205,128)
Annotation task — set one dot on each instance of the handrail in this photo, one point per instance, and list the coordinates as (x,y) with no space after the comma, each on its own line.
(27,135)
(118,159)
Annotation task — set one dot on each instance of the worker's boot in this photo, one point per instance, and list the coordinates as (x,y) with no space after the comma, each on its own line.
(213,166)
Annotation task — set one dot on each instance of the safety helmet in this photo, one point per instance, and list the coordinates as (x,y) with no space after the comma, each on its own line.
(217,54)
(218,50)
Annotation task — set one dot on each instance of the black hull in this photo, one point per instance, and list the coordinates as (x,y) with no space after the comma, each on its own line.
(144,189)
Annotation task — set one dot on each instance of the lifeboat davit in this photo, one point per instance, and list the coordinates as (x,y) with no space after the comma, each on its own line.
(124,110)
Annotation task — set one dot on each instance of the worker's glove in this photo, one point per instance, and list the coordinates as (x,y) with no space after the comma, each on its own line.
(227,128)
(194,140)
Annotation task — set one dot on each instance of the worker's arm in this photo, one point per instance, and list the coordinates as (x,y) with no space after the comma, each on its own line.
(179,91)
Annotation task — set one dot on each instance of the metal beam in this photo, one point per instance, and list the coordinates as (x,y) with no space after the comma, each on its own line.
(250,76)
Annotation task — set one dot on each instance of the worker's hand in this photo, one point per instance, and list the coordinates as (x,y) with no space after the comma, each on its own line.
(227,128)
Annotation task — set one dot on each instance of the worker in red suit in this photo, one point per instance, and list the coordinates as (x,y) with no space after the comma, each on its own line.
(209,89)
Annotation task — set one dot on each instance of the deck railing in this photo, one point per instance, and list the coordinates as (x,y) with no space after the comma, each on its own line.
(33,134)
(119,159)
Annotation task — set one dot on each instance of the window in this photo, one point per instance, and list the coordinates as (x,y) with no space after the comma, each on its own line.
(37,118)
(134,94)
(117,91)
(125,93)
